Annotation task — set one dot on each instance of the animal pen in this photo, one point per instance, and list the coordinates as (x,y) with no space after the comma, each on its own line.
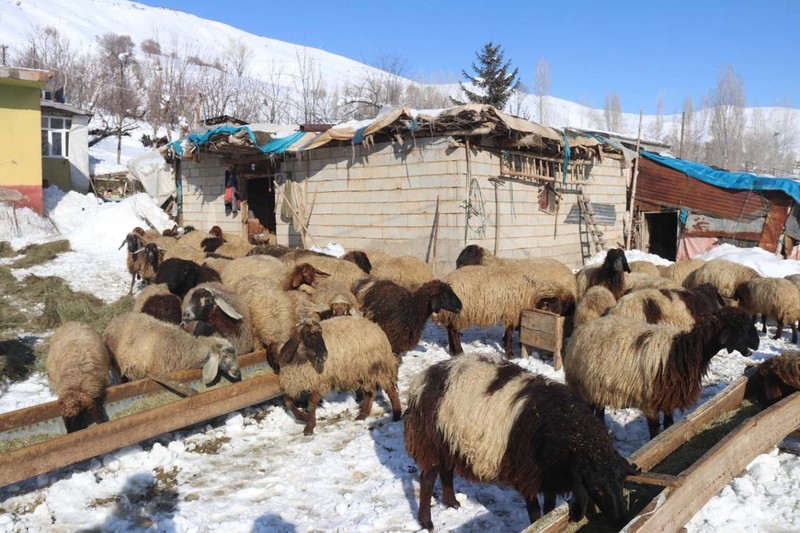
(420,185)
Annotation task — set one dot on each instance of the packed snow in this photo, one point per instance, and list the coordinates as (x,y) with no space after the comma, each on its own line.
(253,470)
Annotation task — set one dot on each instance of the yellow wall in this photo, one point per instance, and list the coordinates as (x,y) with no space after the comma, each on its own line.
(20,134)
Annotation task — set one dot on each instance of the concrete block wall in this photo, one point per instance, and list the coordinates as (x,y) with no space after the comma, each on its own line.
(203,196)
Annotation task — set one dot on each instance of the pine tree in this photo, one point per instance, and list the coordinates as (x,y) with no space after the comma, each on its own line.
(491,75)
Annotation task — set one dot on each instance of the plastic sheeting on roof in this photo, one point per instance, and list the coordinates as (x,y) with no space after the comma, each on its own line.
(728,180)
(272,146)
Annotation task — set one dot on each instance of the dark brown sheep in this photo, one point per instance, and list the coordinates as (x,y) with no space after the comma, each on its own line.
(776,378)
(360,259)
(181,275)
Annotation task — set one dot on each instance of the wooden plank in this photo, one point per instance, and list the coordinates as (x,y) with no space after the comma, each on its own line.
(707,476)
(652,478)
(672,438)
(543,330)
(62,451)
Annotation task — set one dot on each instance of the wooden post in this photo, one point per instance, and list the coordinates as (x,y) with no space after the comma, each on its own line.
(466,191)
(435,237)
(633,185)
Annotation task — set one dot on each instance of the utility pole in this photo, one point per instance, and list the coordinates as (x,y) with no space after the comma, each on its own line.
(3,49)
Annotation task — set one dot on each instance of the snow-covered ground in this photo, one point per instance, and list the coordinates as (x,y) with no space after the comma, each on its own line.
(253,470)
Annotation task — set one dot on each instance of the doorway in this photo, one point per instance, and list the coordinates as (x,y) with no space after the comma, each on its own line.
(661,234)
(261,201)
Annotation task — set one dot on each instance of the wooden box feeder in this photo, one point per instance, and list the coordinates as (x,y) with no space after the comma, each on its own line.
(542,330)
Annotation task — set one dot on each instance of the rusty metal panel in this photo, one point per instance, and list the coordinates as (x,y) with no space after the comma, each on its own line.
(699,225)
(774,223)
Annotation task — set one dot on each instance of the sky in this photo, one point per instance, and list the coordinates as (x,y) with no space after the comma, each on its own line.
(639,50)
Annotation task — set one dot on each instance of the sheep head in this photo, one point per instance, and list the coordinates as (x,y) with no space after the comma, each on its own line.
(221,358)
(216,231)
(360,259)
(151,253)
(202,304)
(134,242)
(615,262)
(442,297)
(304,273)
(601,482)
(738,331)
(471,255)
(306,345)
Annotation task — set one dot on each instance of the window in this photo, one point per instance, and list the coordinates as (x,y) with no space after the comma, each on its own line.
(55,136)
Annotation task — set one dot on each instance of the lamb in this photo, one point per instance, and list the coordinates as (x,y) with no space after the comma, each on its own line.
(493,422)
(680,270)
(141,346)
(490,294)
(77,369)
(644,267)
(680,308)
(772,297)
(611,274)
(157,301)
(181,275)
(725,275)
(776,378)
(402,313)
(407,271)
(288,277)
(223,311)
(359,357)
(621,362)
(595,303)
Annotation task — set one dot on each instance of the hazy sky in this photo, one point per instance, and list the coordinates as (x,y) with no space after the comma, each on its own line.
(638,49)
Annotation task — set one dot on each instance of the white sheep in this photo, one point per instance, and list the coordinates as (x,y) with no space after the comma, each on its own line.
(595,303)
(680,270)
(78,370)
(680,308)
(359,358)
(407,271)
(775,298)
(141,346)
(644,267)
(725,275)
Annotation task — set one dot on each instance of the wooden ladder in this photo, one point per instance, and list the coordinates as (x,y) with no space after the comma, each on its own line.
(588,216)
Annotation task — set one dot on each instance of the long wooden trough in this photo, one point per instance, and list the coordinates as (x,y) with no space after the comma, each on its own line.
(673,498)
(34,440)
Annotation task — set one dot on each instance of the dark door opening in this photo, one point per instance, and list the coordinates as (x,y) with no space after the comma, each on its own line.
(662,229)
(261,201)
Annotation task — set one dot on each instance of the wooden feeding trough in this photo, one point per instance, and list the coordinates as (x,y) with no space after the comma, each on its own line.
(542,330)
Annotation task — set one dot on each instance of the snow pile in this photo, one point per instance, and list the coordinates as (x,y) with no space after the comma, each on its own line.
(764,262)
(23,226)
(630,255)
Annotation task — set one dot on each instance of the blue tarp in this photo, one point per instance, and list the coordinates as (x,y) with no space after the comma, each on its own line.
(275,146)
(728,180)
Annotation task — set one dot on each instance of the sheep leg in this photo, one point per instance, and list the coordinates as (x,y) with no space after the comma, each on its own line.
(653,426)
(298,413)
(534,510)
(549,502)
(426,480)
(600,412)
(779,330)
(454,341)
(668,420)
(394,398)
(448,492)
(507,339)
(794,332)
(97,414)
(366,405)
(133,280)
(312,413)
(763,323)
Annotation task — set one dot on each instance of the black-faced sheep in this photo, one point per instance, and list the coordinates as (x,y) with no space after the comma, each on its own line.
(141,346)
(490,294)
(407,271)
(493,422)
(157,301)
(181,275)
(360,259)
(359,357)
(223,311)
(680,308)
(680,270)
(402,313)
(149,257)
(772,298)
(611,274)
(595,303)
(776,378)
(77,368)
(725,275)
(619,362)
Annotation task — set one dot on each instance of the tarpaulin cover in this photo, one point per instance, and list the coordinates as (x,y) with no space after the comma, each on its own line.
(728,180)
(274,146)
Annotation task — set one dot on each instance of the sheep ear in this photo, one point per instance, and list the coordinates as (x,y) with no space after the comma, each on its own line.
(211,368)
(289,349)
(321,274)
(226,308)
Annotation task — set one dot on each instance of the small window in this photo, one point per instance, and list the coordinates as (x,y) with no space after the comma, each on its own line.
(55,136)
(56,124)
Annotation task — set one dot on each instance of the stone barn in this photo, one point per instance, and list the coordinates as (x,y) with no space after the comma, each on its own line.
(411,184)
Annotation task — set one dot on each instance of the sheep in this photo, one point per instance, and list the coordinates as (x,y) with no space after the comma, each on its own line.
(134,242)
(157,301)
(359,357)
(407,271)
(77,369)
(181,275)
(360,259)
(490,294)
(184,251)
(636,281)
(679,270)
(141,346)
(545,268)
(230,250)
(725,275)
(679,308)
(223,311)
(288,277)
(610,274)
(644,267)
(342,271)
(493,422)
(595,303)
(618,361)
(772,297)
(275,250)
(335,299)
(217,264)
(149,259)
(775,378)
(402,313)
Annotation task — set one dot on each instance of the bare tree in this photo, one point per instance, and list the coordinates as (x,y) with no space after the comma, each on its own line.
(424,96)
(542,86)
(726,103)
(312,101)
(769,142)
(657,126)
(612,111)
(274,95)
(379,86)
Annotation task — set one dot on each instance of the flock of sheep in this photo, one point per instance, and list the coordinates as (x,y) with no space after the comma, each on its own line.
(643,337)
